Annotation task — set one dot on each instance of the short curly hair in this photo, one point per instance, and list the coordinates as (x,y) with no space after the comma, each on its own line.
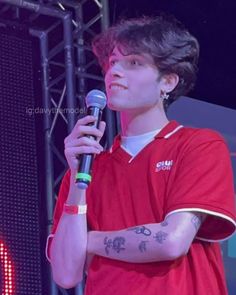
(172,47)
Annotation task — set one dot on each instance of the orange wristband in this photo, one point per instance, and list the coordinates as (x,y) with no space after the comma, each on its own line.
(75,209)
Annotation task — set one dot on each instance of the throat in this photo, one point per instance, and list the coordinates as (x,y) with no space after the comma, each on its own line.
(140,123)
(134,144)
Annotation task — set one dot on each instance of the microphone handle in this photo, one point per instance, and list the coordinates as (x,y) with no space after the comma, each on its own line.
(83,176)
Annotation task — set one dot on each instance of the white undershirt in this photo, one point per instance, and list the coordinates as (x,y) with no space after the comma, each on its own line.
(134,144)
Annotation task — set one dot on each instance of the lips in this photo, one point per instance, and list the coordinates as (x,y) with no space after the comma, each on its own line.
(115,85)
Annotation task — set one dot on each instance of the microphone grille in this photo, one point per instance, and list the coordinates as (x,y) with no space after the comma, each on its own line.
(96,98)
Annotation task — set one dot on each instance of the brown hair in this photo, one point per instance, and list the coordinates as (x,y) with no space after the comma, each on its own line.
(172,47)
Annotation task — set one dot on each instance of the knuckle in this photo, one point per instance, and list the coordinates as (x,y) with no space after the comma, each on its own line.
(82,150)
(66,152)
(79,129)
(66,140)
(82,140)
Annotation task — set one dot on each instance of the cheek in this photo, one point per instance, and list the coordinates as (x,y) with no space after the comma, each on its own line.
(145,86)
(106,80)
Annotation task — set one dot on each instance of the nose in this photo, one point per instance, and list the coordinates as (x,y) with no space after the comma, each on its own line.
(117,70)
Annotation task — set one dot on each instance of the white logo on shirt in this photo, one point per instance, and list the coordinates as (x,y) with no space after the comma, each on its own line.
(164,165)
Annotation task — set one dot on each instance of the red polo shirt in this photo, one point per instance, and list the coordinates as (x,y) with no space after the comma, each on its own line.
(182,169)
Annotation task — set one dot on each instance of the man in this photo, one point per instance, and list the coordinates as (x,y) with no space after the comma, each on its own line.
(162,197)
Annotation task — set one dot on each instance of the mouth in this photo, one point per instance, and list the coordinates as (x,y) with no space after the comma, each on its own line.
(117,86)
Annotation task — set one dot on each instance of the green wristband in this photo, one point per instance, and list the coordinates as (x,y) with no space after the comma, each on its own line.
(83,176)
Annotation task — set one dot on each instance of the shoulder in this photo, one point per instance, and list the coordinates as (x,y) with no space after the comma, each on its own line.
(190,137)
(203,134)
(193,143)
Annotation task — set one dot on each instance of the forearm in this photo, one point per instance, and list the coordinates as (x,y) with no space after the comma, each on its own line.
(146,243)
(127,245)
(68,248)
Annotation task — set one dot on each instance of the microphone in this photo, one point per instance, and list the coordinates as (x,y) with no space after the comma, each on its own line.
(96,102)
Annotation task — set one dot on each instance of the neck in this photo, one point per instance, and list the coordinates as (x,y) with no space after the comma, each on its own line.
(138,123)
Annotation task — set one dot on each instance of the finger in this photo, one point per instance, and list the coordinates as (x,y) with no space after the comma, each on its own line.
(102,126)
(84,131)
(89,130)
(83,141)
(84,121)
(73,152)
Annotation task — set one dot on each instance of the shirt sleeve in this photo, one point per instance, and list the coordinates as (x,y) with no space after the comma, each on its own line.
(203,182)
(62,196)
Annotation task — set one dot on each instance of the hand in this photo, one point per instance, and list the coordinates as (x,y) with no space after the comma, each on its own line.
(77,143)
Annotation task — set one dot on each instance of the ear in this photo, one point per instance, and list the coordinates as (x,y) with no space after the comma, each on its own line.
(169,82)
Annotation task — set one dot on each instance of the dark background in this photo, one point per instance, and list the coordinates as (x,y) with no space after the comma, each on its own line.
(213,22)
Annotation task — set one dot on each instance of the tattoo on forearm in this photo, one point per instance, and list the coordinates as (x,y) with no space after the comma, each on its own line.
(141,230)
(116,244)
(196,221)
(160,237)
(142,246)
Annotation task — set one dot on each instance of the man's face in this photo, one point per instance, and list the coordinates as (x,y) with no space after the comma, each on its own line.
(132,82)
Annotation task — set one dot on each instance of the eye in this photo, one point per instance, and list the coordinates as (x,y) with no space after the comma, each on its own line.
(135,62)
(112,62)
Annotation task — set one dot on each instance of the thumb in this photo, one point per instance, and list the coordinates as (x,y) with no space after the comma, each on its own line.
(102,127)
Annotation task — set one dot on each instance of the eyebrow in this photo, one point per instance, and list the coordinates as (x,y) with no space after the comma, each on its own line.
(130,54)
(143,57)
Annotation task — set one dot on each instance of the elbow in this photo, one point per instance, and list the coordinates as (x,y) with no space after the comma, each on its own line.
(67,271)
(65,281)
(66,275)
(176,248)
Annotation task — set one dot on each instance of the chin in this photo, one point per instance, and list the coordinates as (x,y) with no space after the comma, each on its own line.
(113,107)
(120,105)
(120,108)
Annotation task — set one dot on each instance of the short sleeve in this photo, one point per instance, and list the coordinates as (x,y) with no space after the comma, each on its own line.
(62,196)
(203,182)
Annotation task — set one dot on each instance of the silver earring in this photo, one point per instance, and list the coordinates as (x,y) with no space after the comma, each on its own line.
(164,95)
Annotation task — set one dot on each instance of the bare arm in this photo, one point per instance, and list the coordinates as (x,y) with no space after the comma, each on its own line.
(68,247)
(150,242)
